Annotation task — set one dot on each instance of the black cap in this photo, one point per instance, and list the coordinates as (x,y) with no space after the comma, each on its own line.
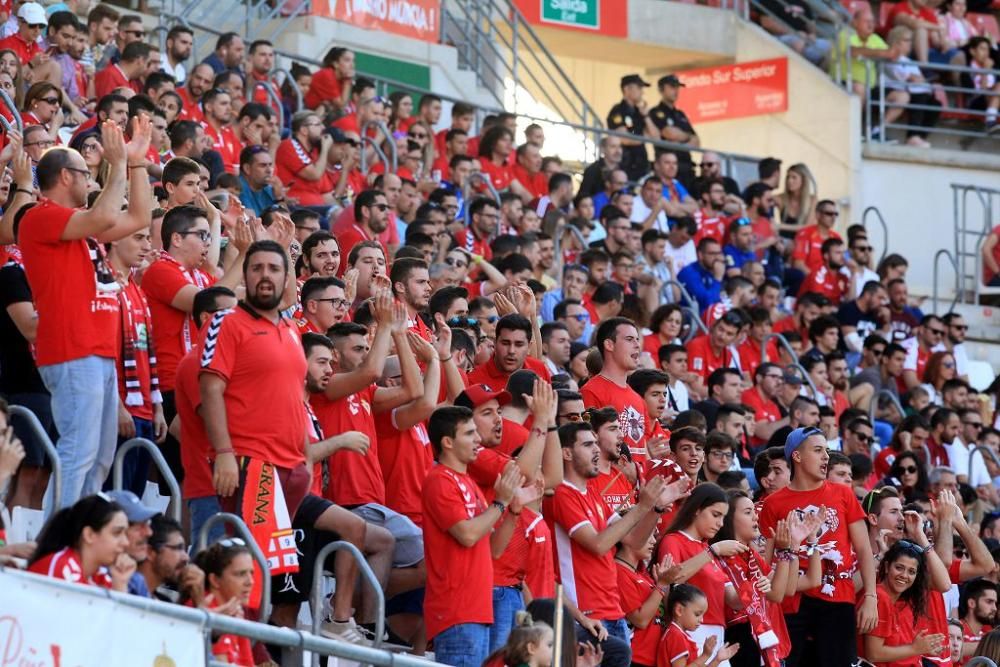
(633,78)
(336,134)
(669,80)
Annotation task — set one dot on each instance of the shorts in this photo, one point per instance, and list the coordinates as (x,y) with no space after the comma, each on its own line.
(410,602)
(295,588)
(409,538)
(41,405)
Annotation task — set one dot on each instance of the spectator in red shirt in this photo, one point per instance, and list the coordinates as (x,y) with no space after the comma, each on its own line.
(411,286)
(759,202)
(371,219)
(528,170)
(463,115)
(926,340)
(198,82)
(323,304)
(42,102)
(229,579)
(807,255)
(456,142)
(514,336)
(713,350)
(301,160)
(762,397)
(495,150)
(827,280)
(127,72)
(259,78)
(77,362)
(31,21)
(218,128)
(331,84)
(85,543)
(458,605)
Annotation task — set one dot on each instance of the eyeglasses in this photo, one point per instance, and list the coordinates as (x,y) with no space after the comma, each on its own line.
(202,235)
(580,317)
(457,263)
(862,248)
(48,143)
(90,148)
(230,542)
(960,327)
(37,26)
(975,425)
(909,470)
(936,332)
(174,547)
(832,214)
(575,416)
(338,304)
(381,207)
(863,437)
(721,453)
(459,321)
(877,351)
(73,169)
(911,547)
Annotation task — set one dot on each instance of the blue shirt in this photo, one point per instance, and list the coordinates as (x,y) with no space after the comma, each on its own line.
(681,191)
(700,284)
(600,200)
(137,586)
(258,200)
(549,302)
(736,258)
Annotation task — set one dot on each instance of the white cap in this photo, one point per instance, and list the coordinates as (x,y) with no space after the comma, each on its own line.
(32,13)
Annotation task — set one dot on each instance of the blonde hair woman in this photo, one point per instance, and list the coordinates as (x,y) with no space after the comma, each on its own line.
(798,202)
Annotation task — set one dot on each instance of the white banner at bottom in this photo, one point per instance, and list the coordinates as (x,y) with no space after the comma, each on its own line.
(46,625)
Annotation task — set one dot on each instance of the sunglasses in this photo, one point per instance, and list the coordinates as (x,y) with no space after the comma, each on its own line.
(489,318)
(458,263)
(909,470)
(960,327)
(911,547)
(948,364)
(575,416)
(832,214)
(231,542)
(878,352)
(975,425)
(580,317)
(459,321)
(863,437)
(870,498)
(381,207)
(49,100)
(862,248)
(936,332)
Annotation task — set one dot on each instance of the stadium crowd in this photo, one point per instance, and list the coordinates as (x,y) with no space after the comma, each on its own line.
(573,382)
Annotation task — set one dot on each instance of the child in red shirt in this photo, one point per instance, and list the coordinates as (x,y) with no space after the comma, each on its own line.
(686,606)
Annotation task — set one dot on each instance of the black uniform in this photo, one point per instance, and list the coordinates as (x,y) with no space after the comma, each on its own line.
(625,117)
(667,116)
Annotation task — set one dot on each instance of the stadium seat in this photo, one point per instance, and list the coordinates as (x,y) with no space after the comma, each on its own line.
(986,24)
(854,5)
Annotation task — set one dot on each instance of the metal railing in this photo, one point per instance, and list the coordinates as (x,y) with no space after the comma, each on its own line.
(55,479)
(388,140)
(14,112)
(873,407)
(316,594)
(176,499)
(255,550)
(944,252)
(979,449)
(467,193)
(980,661)
(221,624)
(971,227)
(877,214)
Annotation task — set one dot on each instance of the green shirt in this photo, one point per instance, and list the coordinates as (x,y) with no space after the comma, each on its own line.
(858,65)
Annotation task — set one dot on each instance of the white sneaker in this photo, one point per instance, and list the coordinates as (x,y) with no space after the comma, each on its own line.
(345,631)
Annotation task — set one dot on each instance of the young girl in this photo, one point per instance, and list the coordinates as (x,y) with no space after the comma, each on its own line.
(687,541)
(901,596)
(228,568)
(685,609)
(529,643)
(86,543)
(641,589)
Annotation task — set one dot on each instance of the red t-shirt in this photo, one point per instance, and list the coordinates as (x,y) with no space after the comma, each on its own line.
(227,144)
(633,591)
(358,479)
(174,330)
(970,636)
(512,565)
(895,627)
(234,649)
(904,8)
(324,87)
(934,620)
(501,176)
(750,359)
(614,488)
(405,457)
(632,415)
(675,644)
(703,360)
(710,226)
(808,245)
(831,284)
(65,564)
(459,585)
(192,109)
(711,578)
(514,436)
(537,184)
(291,158)
(135,318)
(489,374)
(108,79)
(196,449)
(763,231)
(540,576)
(787,324)
(589,579)
(764,409)
(842,509)
(77,317)
(251,352)
(466,238)
(25,50)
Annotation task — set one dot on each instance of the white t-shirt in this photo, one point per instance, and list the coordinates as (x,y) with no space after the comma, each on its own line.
(961,359)
(682,256)
(679,391)
(867,275)
(177,71)
(958,461)
(640,212)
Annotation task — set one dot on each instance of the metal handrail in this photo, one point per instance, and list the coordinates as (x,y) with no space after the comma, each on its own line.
(774,335)
(881,221)
(255,550)
(980,449)
(222,624)
(363,167)
(176,499)
(943,252)
(873,406)
(316,595)
(796,366)
(387,138)
(467,191)
(269,88)
(9,102)
(927,456)
(980,661)
(690,301)
(294,85)
(55,481)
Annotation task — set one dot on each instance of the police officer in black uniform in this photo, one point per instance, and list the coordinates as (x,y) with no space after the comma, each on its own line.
(630,116)
(672,124)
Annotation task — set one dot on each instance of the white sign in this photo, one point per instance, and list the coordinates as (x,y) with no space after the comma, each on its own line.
(42,625)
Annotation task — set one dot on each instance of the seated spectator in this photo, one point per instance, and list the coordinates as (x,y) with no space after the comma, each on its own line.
(863,45)
(905,77)
(930,38)
(793,23)
(983,81)
(798,201)
(712,351)
(168,572)
(740,248)
(229,576)
(703,279)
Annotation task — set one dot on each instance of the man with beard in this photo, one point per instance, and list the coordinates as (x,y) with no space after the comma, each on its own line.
(371,218)
(168,570)
(198,82)
(323,304)
(138,535)
(228,55)
(513,344)
(860,317)
(180,41)
(712,216)
(703,279)
(574,281)
(759,202)
(301,160)
(411,286)
(836,372)
(954,342)
(556,342)
(367,259)
(978,613)
(218,108)
(620,345)
(476,237)
(827,280)
(925,341)
(321,256)
(596,175)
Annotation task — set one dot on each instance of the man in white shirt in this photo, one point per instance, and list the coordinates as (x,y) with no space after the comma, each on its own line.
(680,247)
(180,41)
(954,341)
(650,209)
(861,256)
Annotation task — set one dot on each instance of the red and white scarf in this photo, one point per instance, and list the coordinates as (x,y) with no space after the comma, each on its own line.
(743,571)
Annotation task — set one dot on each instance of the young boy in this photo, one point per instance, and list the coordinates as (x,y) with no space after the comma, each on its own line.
(826,616)
(838,470)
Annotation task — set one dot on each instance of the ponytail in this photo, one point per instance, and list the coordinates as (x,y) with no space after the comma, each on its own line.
(65,527)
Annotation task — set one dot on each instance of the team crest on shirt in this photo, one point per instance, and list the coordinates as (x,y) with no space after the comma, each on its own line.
(616,119)
(356,404)
(631,423)
(832,559)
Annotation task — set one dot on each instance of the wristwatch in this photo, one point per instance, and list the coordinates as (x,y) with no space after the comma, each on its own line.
(499,505)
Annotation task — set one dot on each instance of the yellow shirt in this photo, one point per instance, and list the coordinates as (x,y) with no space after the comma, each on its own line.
(859,66)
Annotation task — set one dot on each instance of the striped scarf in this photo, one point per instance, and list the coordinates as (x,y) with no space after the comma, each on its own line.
(133,388)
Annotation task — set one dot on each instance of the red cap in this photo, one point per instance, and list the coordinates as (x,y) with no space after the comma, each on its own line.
(477,394)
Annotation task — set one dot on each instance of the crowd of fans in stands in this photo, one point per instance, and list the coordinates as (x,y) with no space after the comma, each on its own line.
(574,382)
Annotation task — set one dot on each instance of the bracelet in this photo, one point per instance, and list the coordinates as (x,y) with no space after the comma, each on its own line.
(25,191)
(552,428)
(712,551)
(225,450)
(660,510)
(664,591)
(871,595)
(446,359)
(784,555)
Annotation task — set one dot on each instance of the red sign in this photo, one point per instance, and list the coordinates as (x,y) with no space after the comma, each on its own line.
(735,91)
(419,19)
(600,17)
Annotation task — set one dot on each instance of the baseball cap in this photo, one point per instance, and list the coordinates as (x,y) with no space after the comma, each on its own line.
(669,80)
(32,13)
(134,509)
(477,394)
(797,437)
(336,134)
(633,78)
(792,378)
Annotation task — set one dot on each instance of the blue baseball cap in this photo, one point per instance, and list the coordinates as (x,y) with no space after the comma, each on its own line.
(797,437)
(133,507)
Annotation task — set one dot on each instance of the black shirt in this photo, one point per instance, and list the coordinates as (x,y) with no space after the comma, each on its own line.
(663,116)
(18,373)
(627,118)
(851,316)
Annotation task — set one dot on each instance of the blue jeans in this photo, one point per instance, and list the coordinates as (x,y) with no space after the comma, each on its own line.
(463,645)
(617,629)
(85,410)
(135,467)
(203,509)
(507,601)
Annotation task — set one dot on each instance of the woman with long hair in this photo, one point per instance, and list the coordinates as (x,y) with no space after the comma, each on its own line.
(797,203)
(909,475)
(228,568)
(902,599)
(642,587)
(940,368)
(989,646)
(688,541)
(86,544)
(665,326)
(400,111)
(331,85)
(10,62)
(910,435)
(43,106)
(495,152)
(88,144)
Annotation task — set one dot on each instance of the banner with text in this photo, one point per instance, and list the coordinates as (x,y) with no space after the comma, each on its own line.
(735,91)
(603,17)
(419,19)
(47,626)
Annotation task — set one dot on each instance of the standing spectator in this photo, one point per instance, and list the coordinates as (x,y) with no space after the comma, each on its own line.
(673,125)
(595,175)
(630,116)
(862,44)
(77,363)
(458,608)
